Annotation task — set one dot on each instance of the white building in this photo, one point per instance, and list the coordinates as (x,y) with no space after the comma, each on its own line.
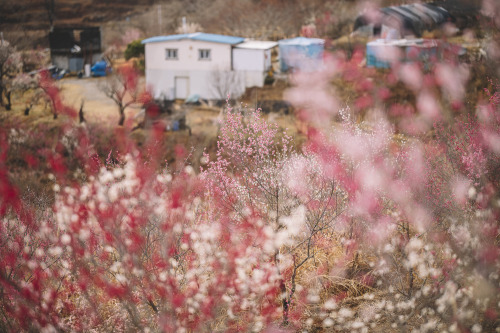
(254,59)
(209,65)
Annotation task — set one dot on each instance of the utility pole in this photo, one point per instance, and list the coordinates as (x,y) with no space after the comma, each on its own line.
(159,19)
(50,7)
(184,25)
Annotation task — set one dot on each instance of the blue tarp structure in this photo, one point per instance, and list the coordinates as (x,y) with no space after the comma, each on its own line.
(100,68)
(301,53)
(380,51)
(195,98)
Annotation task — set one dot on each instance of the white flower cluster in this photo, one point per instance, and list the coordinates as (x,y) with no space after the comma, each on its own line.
(17,137)
(419,257)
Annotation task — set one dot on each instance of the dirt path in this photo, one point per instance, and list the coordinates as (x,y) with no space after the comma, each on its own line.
(98,108)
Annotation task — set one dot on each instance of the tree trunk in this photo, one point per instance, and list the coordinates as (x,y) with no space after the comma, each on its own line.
(122,117)
(80,114)
(285,302)
(50,7)
(54,109)
(8,107)
(410,272)
(284,299)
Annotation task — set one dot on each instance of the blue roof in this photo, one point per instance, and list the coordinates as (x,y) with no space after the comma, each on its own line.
(201,36)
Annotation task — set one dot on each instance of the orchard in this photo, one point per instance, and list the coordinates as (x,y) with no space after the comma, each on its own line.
(384,218)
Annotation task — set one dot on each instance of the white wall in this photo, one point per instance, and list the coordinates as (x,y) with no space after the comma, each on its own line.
(187,54)
(160,82)
(251,59)
(208,84)
(248,60)
(254,78)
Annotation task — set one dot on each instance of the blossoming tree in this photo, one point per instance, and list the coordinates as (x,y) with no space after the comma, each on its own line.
(385,219)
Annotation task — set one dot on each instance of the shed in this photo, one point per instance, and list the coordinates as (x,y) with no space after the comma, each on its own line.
(253,55)
(301,53)
(377,51)
(71,48)
(408,20)
(253,58)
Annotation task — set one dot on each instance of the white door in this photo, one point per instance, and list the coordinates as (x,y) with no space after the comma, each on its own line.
(181,87)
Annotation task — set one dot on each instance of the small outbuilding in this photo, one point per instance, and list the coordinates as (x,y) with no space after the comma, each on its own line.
(402,21)
(381,53)
(305,54)
(255,59)
(72,48)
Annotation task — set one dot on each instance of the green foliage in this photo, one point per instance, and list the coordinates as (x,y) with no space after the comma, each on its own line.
(134,49)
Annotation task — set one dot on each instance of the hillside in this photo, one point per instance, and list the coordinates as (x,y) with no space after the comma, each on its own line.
(34,15)
(26,23)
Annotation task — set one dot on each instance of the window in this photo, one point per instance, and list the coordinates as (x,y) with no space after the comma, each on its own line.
(203,54)
(170,54)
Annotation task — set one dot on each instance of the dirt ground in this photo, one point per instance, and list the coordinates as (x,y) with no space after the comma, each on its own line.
(203,120)
(98,108)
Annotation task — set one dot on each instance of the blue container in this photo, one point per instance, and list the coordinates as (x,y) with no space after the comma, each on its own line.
(100,68)
(373,51)
(301,53)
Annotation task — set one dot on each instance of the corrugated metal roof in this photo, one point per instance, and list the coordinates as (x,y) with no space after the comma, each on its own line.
(301,41)
(164,38)
(257,45)
(201,36)
(410,19)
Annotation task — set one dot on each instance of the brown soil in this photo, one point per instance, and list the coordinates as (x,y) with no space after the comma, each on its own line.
(272,92)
